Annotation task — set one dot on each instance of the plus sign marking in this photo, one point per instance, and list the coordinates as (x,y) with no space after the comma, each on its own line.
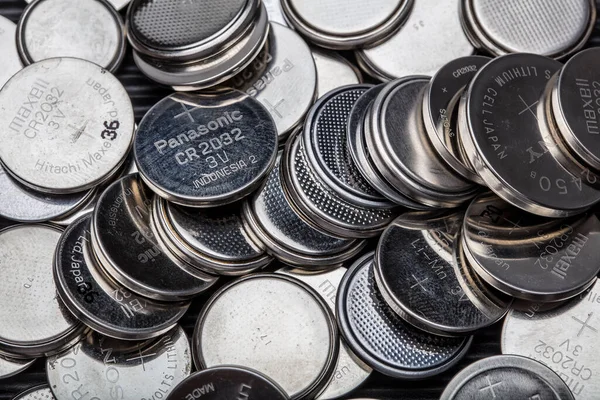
(186,112)
(490,387)
(528,107)
(273,109)
(419,283)
(585,324)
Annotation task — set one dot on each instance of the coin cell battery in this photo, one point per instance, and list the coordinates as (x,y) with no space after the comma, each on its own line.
(205,150)
(97,300)
(36,322)
(507,378)
(91,30)
(69,125)
(36,393)
(10,63)
(117,4)
(282,328)
(511,157)
(333,71)
(228,382)
(564,339)
(106,367)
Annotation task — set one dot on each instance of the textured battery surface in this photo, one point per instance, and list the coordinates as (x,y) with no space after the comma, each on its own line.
(144,94)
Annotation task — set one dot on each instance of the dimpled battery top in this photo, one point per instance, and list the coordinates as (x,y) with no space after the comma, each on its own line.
(325,142)
(72,118)
(228,382)
(10,63)
(500,132)
(36,321)
(205,150)
(552,28)
(88,29)
(36,393)
(507,378)
(380,337)
(274,324)
(345,24)
(564,338)
(99,301)
(187,30)
(133,370)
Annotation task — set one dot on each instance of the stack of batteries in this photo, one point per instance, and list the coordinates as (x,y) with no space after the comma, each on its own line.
(335,227)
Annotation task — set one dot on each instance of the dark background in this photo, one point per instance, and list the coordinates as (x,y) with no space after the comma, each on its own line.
(144,94)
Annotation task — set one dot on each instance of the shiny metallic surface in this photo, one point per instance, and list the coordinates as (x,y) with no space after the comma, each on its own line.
(35,321)
(36,393)
(77,128)
(553,28)
(381,338)
(106,367)
(97,300)
(325,142)
(440,99)
(350,372)
(274,324)
(507,378)
(214,240)
(188,30)
(123,219)
(564,339)
(10,63)
(270,216)
(283,78)
(573,93)
(501,104)
(228,382)
(323,207)
(421,279)
(402,152)
(216,68)
(20,203)
(432,28)
(228,146)
(117,4)
(91,30)
(346,25)
(333,71)
(11,367)
(275,12)
(530,257)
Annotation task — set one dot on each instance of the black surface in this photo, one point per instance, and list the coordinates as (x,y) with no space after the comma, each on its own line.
(144,94)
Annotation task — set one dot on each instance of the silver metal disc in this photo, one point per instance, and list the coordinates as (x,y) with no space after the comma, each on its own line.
(117,4)
(506,378)
(431,37)
(343,24)
(440,100)
(212,240)
(105,367)
(20,203)
(333,71)
(97,300)
(275,12)
(91,30)
(228,382)
(283,78)
(11,367)
(350,372)
(325,142)
(530,257)
(274,324)
(504,143)
(10,63)
(285,233)
(421,279)
(216,68)
(553,28)
(36,393)
(565,339)
(402,152)
(377,335)
(205,150)
(35,321)
(123,219)
(323,207)
(574,104)
(72,118)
